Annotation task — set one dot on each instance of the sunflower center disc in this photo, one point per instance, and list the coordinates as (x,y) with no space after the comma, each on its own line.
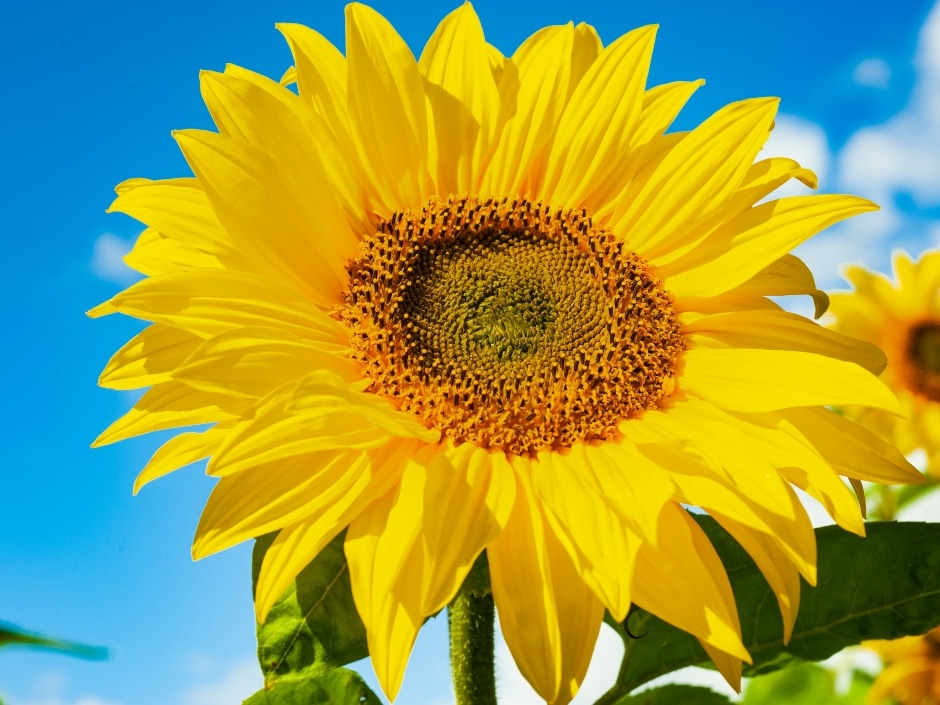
(924,355)
(509,325)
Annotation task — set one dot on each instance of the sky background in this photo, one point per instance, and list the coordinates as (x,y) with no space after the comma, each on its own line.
(91,92)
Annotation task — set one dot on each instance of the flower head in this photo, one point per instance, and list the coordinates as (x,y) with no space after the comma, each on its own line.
(912,670)
(903,318)
(476,302)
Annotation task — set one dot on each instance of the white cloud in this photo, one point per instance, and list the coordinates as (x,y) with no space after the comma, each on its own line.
(49,690)
(242,680)
(107,260)
(902,155)
(804,141)
(874,73)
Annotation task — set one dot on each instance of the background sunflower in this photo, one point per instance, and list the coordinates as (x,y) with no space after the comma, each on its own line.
(901,315)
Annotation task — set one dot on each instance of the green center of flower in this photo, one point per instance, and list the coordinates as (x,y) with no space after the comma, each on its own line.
(509,325)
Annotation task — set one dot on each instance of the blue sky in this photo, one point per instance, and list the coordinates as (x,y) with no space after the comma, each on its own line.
(92,91)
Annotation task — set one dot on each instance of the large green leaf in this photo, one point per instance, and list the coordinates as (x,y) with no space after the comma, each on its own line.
(884,586)
(807,684)
(675,695)
(338,687)
(314,626)
(14,636)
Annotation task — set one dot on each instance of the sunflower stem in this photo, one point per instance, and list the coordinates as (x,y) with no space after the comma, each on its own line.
(472,661)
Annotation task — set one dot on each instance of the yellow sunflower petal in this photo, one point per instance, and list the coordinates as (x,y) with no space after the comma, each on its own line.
(602,547)
(289,77)
(767,380)
(696,176)
(776,567)
(177,208)
(853,450)
(761,179)
(598,122)
(787,276)
(298,544)
(319,413)
(154,254)
(469,494)
(269,215)
(548,616)
(803,465)
(684,583)
(277,494)
(701,486)
(633,486)
(388,563)
(178,452)
(385,569)
(728,666)
(321,74)
(661,105)
(542,72)
(170,405)
(749,242)
(208,302)
(779,330)
(149,357)
(250,362)
(255,109)
(383,79)
(464,101)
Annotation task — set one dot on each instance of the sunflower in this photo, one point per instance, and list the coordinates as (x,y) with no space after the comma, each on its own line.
(912,670)
(903,318)
(483,303)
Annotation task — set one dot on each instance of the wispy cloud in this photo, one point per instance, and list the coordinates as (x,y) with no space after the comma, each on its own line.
(873,73)
(49,690)
(107,260)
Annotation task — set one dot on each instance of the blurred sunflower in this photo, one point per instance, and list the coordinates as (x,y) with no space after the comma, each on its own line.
(903,318)
(912,670)
(476,302)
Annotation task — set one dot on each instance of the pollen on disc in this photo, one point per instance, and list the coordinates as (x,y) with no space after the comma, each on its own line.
(509,324)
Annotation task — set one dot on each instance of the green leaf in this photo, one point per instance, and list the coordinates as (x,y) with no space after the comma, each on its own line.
(884,586)
(314,626)
(807,684)
(338,687)
(675,695)
(11,635)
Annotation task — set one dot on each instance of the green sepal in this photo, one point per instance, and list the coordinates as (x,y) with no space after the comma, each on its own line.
(884,586)
(337,687)
(314,626)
